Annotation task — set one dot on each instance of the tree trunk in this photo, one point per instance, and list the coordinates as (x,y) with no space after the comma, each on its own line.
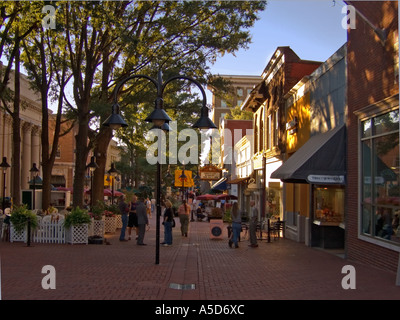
(81,154)
(16,159)
(103,140)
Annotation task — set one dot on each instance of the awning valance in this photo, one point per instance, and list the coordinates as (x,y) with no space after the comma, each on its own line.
(220,185)
(57,180)
(321,160)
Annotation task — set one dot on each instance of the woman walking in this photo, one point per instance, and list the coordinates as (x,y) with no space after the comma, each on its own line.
(168,220)
(236,226)
(184,212)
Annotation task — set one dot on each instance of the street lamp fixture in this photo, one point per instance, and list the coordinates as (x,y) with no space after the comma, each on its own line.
(113,173)
(4,166)
(92,166)
(159,118)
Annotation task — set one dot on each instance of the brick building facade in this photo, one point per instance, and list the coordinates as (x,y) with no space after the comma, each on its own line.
(373,135)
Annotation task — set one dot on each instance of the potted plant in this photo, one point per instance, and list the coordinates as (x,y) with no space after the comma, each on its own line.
(76,225)
(20,216)
(216,213)
(97,224)
(110,219)
(227,216)
(117,214)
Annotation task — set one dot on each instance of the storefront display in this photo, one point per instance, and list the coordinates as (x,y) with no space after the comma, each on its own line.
(329,205)
(328,223)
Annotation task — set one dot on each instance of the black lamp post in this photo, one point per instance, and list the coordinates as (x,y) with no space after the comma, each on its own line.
(113,172)
(91,166)
(160,120)
(34,172)
(4,166)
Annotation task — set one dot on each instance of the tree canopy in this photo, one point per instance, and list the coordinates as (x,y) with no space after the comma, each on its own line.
(99,43)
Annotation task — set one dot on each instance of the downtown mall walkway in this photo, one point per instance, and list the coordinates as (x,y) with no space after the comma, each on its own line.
(194,268)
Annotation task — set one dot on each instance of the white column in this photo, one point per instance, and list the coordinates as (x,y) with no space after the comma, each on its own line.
(35,146)
(26,155)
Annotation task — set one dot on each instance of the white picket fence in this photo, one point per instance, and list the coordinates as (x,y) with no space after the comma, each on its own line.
(48,231)
(52,230)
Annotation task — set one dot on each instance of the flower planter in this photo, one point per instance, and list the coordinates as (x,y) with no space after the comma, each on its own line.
(118,219)
(97,228)
(110,225)
(17,236)
(77,234)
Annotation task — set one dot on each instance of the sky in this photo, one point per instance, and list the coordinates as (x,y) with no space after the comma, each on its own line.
(312,28)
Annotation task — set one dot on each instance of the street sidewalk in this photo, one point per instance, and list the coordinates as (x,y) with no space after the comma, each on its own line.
(194,268)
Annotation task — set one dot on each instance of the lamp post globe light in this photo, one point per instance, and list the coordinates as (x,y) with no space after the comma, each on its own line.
(91,166)
(4,166)
(113,173)
(160,120)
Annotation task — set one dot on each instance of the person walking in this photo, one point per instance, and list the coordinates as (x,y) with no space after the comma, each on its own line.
(168,223)
(236,225)
(123,208)
(253,224)
(148,207)
(132,219)
(184,212)
(142,220)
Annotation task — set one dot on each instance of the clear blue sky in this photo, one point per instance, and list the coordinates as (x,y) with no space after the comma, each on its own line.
(312,28)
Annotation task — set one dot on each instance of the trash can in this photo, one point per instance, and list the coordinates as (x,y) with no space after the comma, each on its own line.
(216,226)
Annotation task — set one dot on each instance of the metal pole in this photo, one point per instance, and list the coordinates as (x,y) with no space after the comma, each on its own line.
(158,213)
(28,243)
(91,189)
(158,204)
(4,191)
(112,189)
(34,193)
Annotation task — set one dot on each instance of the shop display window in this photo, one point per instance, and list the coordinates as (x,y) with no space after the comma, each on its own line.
(380,179)
(329,204)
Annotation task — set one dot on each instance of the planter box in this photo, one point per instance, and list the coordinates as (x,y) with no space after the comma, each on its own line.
(118,220)
(18,236)
(77,234)
(97,228)
(110,225)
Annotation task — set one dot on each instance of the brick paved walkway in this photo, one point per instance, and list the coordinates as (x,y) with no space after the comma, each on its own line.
(194,268)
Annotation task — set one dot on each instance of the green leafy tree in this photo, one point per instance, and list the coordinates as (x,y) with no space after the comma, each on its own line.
(17,21)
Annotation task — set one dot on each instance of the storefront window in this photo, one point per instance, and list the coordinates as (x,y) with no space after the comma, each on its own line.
(329,204)
(380,177)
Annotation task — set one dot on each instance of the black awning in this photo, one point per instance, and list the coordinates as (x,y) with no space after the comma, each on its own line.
(220,185)
(321,160)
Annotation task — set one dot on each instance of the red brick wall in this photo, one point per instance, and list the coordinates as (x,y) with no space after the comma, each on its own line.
(370,79)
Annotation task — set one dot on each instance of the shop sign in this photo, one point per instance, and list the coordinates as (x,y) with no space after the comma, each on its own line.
(210,173)
(323,179)
(188,182)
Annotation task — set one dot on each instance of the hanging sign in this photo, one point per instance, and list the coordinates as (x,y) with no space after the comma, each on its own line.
(187,182)
(210,172)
